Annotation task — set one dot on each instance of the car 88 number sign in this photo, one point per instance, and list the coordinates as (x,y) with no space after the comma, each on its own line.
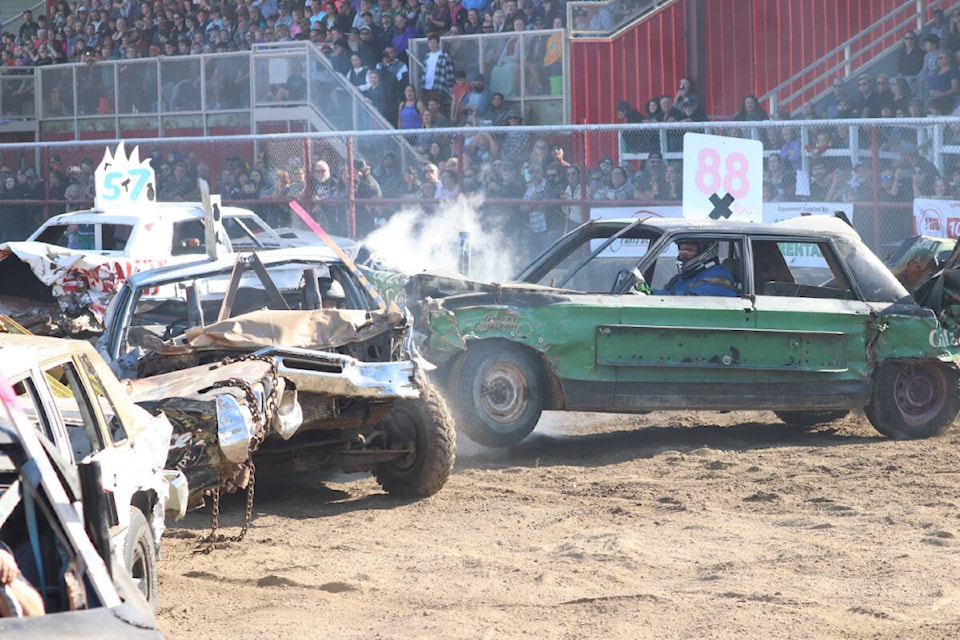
(722,178)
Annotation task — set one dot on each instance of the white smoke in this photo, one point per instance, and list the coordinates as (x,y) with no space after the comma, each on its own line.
(413,241)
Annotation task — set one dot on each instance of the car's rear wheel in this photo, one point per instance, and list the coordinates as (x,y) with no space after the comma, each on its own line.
(498,394)
(424,427)
(913,399)
(140,556)
(810,419)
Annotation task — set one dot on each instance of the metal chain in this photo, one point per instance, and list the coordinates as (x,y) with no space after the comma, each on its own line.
(270,406)
(210,542)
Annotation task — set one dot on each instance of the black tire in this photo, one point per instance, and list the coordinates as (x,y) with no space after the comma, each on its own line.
(913,400)
(426,428)
(498,394)
(810,419)
(140,556)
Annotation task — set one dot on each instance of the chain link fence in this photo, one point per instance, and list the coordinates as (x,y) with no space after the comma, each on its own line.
(893,178)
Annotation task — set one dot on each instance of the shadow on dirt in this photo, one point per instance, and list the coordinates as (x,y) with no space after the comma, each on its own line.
(302,496)
(545,448)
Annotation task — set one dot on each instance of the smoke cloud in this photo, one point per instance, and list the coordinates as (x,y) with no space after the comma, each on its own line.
(413,241)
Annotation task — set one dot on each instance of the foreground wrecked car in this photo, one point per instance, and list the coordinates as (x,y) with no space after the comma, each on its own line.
(345,358)
(83,414)
(816,327)
(63,556)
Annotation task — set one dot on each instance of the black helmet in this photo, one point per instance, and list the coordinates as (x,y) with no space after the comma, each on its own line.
(708,253)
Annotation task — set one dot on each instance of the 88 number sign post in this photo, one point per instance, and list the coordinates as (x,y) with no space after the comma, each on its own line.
(722,178)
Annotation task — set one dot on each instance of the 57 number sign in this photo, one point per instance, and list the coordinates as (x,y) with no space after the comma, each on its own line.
(123,181)
(722,178)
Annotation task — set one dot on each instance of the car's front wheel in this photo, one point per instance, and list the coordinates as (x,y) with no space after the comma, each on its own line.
(424,428)
(913,399)
(140,556)
(498,394)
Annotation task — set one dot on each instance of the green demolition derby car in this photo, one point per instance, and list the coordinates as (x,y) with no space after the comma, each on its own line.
(815,327)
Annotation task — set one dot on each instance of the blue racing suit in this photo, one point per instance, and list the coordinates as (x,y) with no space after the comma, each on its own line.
(714,281)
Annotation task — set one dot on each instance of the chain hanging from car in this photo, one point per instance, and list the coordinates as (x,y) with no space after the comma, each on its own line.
(248,469)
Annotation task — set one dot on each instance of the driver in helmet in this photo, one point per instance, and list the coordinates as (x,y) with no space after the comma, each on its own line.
(332,295)
(699,271)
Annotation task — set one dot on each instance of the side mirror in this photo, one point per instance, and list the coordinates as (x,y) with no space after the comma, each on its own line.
(630,281)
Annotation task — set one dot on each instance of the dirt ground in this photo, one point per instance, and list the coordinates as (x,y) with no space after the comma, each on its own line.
(669,525)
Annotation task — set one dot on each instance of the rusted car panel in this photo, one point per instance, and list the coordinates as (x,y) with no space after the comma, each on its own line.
(812,324)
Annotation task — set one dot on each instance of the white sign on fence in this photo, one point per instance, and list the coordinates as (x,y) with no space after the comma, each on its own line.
(937,218)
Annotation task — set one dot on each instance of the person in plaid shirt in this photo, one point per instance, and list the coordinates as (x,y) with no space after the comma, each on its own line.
(438,74)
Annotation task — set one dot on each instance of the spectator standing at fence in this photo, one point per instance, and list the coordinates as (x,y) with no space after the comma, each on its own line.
(498,110)
(685,89)
(867,102)
(937,25)
(884,91)
(429,134)
(750,110)
(368,48)
(538,238)
(357,75)
(28,28)
(437,72)
(376,94)
(479,149)
(692,111)
(461,87)
(944,85)
(340,58)
(411,110)
(901,95)
(448,189)
(618,188)
(474,102)
(931,47)
(860,186)
(825,185)
(623,111)
(913,165)
(790,151)
(323,185)
(473,26)
(669,110)
(951,39)
(395,76)
(181,188)
(571,191)
(673,182)
(439,20)
(403,32)
(516,142)
(557,155)
(389,176)
(892,186)
(32,188)
(538,155)
(440,119)
(411,183)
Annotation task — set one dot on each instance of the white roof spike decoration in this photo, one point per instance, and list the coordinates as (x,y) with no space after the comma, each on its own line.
(122,181)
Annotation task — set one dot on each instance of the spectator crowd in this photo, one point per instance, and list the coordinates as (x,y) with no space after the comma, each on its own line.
(367,42)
